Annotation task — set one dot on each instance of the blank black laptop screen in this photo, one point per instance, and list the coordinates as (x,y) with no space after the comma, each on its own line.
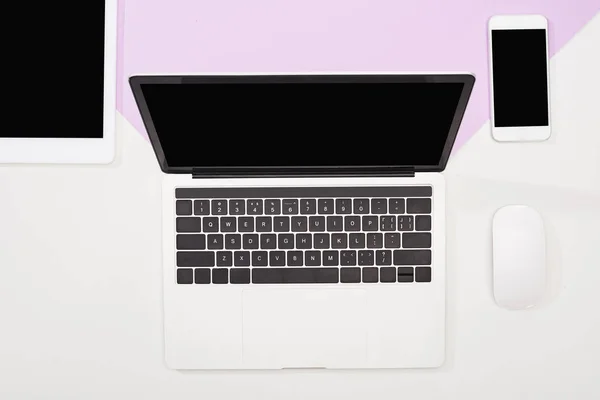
(53,62)
(302,124)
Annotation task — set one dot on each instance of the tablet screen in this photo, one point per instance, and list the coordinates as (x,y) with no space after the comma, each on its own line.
(53,84)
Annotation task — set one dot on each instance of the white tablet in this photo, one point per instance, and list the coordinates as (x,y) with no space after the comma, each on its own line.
(59,84)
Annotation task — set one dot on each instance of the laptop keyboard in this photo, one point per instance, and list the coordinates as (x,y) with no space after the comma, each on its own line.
(303,235)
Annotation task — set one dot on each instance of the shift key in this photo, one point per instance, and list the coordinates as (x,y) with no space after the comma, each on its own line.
(195,258)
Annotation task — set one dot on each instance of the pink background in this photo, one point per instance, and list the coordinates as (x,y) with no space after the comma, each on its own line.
(193,36)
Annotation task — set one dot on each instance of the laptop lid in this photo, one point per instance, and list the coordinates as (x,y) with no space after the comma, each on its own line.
(313,124)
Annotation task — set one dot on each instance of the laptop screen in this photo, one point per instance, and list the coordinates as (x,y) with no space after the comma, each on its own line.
(282,123)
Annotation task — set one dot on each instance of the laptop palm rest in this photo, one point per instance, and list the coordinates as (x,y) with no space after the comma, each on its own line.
(304,328)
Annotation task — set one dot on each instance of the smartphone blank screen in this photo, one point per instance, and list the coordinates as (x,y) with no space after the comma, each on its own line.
(520,78)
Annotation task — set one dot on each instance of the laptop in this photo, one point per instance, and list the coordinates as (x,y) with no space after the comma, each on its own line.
(303,216)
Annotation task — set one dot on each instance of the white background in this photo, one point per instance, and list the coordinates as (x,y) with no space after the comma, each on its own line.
(81,280)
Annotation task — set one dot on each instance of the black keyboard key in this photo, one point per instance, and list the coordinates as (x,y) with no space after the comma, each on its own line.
(255,207)
(202,276)
(343,206)
(312,258)
(237,207)
(392,240)
(387,274)
(191,242)
(195,258)
(294,258)
(348,257)
(379,206)
(412,257)
(303,241)
(201,207)
(366,257)
(228,224)
(246,224)
(290,206)
(421,240)
(405,223)
(423,274)
(285,241)
(183,207)
(295,275)
(188,224)
(361,206)
(277,258)
(219,207)
(352,223)
(397,206)
(263,224)
(370,223)
(321,240)
(406,274)
(350,275)
(388,223)
(250,241)
(335,224)
(357,241)
(260,258)
(233,241)
(210,224)
(423,223)
(220,275)
(299,224)
(185,276)
(239,276)
(224,259)
(326,206)
(281,224)
(215,241)
(339,240)
(418,206)
(316,224)
(308,206)
(268,241)
(331,258)
(273,207)
(370,275)
(241,258)
(374,240)
(383,257)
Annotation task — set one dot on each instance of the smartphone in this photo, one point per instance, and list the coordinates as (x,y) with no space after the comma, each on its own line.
(519,78)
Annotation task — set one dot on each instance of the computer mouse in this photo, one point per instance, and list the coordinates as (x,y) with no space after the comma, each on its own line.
(519,257)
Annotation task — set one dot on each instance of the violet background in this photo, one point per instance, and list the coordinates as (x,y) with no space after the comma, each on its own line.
(193,36)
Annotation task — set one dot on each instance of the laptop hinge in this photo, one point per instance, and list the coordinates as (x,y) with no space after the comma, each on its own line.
(212,173)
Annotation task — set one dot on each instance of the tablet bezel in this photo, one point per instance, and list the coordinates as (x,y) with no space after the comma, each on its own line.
(77,150)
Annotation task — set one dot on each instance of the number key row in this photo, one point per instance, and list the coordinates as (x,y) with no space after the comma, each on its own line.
(376,206)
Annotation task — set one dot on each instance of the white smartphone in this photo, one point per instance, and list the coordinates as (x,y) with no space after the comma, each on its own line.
(519,78)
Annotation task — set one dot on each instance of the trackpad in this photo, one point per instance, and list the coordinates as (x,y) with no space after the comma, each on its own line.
(304,328)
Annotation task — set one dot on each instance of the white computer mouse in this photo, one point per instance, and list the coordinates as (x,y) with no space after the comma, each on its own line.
(519,257)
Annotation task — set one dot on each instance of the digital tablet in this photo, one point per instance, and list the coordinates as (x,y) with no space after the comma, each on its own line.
(59,84)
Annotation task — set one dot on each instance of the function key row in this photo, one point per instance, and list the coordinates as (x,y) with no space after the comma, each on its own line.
(303,206)
(333,223)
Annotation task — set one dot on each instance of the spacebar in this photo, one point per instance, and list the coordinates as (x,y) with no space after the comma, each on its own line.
(295,275)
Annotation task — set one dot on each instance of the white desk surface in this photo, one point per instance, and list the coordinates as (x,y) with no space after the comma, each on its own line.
(80,275)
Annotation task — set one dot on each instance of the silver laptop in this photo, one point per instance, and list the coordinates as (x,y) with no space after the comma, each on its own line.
(303,216)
